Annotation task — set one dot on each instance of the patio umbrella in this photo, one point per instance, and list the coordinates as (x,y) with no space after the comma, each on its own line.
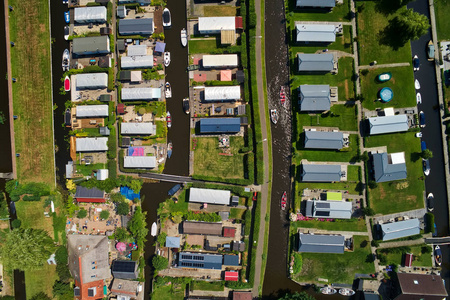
(121,246)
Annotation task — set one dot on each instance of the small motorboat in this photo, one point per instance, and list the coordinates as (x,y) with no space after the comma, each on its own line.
(274,116)
(168,90)
(169,120)
(430,50)
(430,202)
(383,77)
(416,63)
(154,229)
(426,166)
(67,17)
(167,19)
(282,95)
(66,32)
(166,59)
(422,119)
(328,290)
(183,37)
(174,190)
(419,98)
(65,60)
(67,84)
(417,84)
(186,105)
(67,118)
(346,292)
(438,255)
(283,201)
(169,149)
(65,1)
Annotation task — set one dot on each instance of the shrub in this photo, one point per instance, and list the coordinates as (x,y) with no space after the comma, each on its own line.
(123,208)
(161,238)
(298,263)
(16,223)
(104,215)
(160,263)
(82,213)
(237,285)
(61,255)
(121,234)
(375,243)
(368,211)
(373,184)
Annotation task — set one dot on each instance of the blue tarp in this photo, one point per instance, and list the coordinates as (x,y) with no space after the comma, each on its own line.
(129,193)
(160,47)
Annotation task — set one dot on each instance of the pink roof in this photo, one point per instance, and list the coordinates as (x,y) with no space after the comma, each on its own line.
(225,75)
(200,77)
(231,276)
(196,61)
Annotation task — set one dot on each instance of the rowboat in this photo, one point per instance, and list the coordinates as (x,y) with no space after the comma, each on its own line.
(168,90)
(430,202)
(328,290)
(283,201)
(417,84)
(169,120)
(282,95)
(346,292)
(154,229)
(169,149)
(419,98)
(184,37)
(274,116)
(166,59)
(438,255)
(67,84)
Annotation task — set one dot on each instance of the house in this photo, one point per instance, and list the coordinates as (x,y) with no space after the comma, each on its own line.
(315,62)
(125,269)
(321,173)
(324,140)
(400,229)
(125,289)
(230,260)
(321,243)
(144,128)
(389,167)
(388,124)
(140,94)
(314,97)
(137,50)
(90,14)
(214,25)
(420,286)
(89,195)
(173,242)
(328,209)
(202,228)
(199,261)
(91,111)
(121,45)
(134,62)
(242,295)
(88,264)
(231,275)
(121,12)
(143,26)
(315,33)
(210,196)
(91,81)
(222,93)
(220,125)
(316,3)
(139,162)
(131,76)
(91,45)
(95,144)
(229,232)
(220,61)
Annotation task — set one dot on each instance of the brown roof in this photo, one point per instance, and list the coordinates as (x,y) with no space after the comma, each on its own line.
(204,228)
(421,284)
(229,232)
(242,295)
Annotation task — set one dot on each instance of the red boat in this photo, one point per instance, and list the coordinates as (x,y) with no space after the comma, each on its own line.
(282,95)
(67,84)
(169,120)
(283,201)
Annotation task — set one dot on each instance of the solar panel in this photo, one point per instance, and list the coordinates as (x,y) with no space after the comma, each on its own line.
(186,264)
(322,205)
(198,265)
(124,266)
(186,256)
(322,213)
(198,258)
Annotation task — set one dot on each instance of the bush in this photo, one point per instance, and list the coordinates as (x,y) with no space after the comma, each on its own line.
(63,273)
(123,208)
(237,285)
(298,263)
(104,215)
(373,184)
(375,243)
(160,263)
(121,234)
(16,223)
(61,255)
(161,238)
(38,296)
(82,213)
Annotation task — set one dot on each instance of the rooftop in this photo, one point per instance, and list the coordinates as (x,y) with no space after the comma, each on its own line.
(321,243)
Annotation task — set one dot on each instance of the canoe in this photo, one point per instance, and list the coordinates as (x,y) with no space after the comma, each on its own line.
(154,229)
(67,84)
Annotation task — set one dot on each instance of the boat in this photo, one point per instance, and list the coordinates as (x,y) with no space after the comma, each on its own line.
(168,90)
(169,149)
(438,255)
(346,292)
(328,290)
(416,63)
(383,77)
(154,229)
(417,84)
(183,37)
(186,105)
(426,166)
(166,59)
(67,84)
(169,120)
(283,201)
(174,189)
(167,19)
(68,118)
(282,96)
(422,119)
(66,32)
(65,1)
(65,60)
(274,116)
(434,234)
(419,98)
(67,17)
(430,50)
(430,202)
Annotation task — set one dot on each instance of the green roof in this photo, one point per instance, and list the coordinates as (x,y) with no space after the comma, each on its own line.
(334,196)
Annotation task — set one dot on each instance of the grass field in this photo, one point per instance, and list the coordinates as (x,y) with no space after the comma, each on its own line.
(373,44)
(339,13)
(346,154)
(392,197)
(442,11)
(236,213)
(401,83)
(36,282)
(337,268)
(209,162)
(420,259)
(170,292)
(338,225)
(30,58)
(207,285)
(342,43)
(344,118)
(219,10)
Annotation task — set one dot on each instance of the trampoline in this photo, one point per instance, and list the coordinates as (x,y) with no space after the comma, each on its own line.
(386,94)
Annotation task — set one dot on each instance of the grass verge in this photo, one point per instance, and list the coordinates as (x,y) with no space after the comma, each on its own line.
(442,11)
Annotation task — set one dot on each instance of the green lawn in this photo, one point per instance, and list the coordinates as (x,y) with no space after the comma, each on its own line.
(219,10)
(420,259)
(401,83)
(339,13)
(351,187)
(170,292)
(395,196)
(207,285)
(236,213)
(170,206)
(40,280)
(442,11)
(372,43)
(342,43)
(337,225)
(344,155)
(337,268)
(87,170)
(202,46)
(344,118)
(343,80)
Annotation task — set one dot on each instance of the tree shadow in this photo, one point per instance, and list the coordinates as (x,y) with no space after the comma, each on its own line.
(393,35)
(388,7)
(415,156)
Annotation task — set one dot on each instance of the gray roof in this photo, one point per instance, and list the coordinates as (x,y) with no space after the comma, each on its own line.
(209,196)
(385,170)
(316,3)
(143,26)
(204,228)
(125,269)
(139,162)
(121,11)
(321,173)
(319,33)
(126,288)
(90,45)
(230,260)
(91,144)
(401,229)
(388,124)
(90,14)
(173,241)
(83,192)
(329,209)
(199,260)
(324,140)
(144,128)
(91,111)
(91,81)
(314,97)
(321,243)
(315,62)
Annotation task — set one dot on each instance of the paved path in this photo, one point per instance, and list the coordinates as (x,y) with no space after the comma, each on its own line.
(403,243)
(335,232)
(324,22)
(405,64)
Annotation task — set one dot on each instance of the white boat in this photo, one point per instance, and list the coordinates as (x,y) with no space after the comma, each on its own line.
(346,292)
(167,19)
(154,229)
(66,32)
(328,290)
(274,116)
(419,98)
(168,90)
(66,60)
(166,59)
(417,84)
(183,37)
(65,1)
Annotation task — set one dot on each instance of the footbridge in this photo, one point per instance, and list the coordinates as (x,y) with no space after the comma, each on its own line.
(7,175)
(444,240)
(168,178)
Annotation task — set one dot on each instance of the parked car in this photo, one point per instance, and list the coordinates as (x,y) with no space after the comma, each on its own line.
(430,50)
(422,119)
(416,63)
(426,167)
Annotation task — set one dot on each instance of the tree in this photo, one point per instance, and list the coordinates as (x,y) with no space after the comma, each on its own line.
(368,211)
(16,223)
(26,249)
(39,296)
(104,215)
(160,263)
(426,154)
(365,156)
(121,234)
(297,296)
(136,185)
(373,184)
(177,217)
(117,197)
(138,225)
(123,208)
(82,213)
(61,255)
(70,185)
(411,24)
(62,289)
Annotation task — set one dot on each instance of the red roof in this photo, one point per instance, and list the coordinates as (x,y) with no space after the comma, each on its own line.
(96,285)
(408,260)
(225,75)
(200,77)
(120,108)
(238,23)
(231,276)
(90,200)
(229,231)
